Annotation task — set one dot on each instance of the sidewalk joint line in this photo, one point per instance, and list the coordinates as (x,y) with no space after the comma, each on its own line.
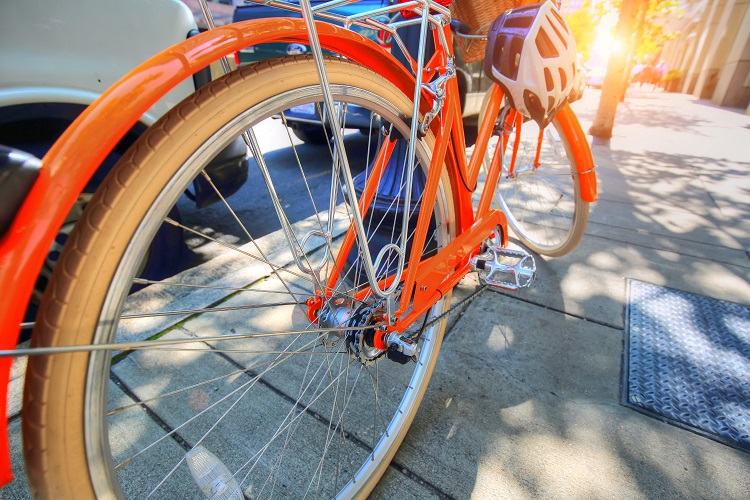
(607,238)
(411,475)
(555,309)
(174,435)
(649,233)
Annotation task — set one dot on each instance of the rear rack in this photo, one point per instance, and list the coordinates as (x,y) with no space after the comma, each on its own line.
(373,19)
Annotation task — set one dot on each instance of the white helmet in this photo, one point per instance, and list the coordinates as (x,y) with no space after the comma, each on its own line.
(531,54)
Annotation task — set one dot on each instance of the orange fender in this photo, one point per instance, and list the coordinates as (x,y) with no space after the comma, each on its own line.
(75,157)
(581,153)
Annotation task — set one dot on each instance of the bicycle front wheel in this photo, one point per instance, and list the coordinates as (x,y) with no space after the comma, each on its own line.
(282,381)
(538,189)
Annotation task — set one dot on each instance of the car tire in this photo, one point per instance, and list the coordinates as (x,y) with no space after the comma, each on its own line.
(310,134)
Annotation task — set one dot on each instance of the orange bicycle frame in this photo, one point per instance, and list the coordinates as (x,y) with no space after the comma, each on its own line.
(76,156)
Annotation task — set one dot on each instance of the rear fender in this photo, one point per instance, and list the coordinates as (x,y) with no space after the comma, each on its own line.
(579,148)
(74,158)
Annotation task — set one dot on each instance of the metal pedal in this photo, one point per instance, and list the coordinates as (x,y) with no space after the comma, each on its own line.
(505,268)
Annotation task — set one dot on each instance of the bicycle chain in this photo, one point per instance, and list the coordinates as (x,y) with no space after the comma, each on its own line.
(452,309)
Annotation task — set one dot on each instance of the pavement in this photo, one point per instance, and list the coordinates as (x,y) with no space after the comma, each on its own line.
(524,401)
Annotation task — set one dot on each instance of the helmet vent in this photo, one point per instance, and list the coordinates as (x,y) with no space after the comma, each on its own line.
(563,78)
(533,106)
(545,46)
(559,35)
(548,79)
(507,59)
(561,21)
(518,21)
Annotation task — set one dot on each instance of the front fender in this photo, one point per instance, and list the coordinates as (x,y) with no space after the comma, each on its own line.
(74,158)
(581,152)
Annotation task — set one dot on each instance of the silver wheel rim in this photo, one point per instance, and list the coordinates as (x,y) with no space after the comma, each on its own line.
(98,447)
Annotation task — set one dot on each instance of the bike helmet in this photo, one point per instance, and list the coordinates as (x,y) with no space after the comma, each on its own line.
(531,54)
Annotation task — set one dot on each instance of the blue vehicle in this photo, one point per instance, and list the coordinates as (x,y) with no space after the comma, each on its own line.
(305,120)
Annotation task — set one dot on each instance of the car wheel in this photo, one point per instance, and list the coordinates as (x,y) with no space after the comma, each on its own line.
(310,134)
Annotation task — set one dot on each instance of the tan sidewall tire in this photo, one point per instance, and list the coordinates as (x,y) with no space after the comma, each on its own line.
(53,423)
(581,216)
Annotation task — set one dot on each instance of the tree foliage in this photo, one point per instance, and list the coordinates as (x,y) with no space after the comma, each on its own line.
(649,32)
(583,23)
(652,34)
(640,30)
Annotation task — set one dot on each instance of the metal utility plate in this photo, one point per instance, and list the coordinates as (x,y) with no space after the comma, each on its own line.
(687,362)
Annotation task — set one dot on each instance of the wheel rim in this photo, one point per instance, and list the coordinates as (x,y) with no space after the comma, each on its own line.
(104,435)
(540,203)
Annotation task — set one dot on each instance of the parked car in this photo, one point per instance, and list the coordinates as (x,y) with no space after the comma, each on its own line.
(581,80)
(595,77)
(59,55)
(305,120)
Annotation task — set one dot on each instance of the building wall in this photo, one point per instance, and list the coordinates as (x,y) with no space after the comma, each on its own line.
(733,83)
(712,51)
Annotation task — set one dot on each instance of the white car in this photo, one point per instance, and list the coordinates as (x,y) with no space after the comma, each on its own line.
(580,80)
(58,56)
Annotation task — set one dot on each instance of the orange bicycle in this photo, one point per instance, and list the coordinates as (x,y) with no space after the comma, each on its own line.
(293,363)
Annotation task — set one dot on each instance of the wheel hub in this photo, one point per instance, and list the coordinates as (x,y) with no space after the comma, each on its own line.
(361,343)
(345,322)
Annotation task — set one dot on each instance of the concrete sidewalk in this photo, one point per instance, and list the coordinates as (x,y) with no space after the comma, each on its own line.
(524,402)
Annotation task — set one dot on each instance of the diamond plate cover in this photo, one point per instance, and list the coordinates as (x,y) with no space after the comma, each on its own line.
(687,361)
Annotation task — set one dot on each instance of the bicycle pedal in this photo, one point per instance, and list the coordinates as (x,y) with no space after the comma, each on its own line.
(505,268)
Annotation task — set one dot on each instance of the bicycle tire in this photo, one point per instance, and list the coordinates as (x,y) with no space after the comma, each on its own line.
(72,440)
(543,204)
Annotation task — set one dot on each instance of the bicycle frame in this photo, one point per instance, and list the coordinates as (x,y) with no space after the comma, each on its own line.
(81,149)
(74,158)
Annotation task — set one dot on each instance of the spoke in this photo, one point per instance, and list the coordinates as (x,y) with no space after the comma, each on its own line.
(178,391)
(245,230)
(240,351)
(334,408)
(545,174)
(375,382)
(207,310)
(237,249)
(273,438)
(391,208)
(302,172)
(303,390)
(151,344)
(297,250)
(247,386)
(329,255)
(390,259)
(339,424)
(141,281)
(289,431)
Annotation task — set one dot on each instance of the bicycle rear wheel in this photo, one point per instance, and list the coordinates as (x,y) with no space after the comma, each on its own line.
(292,396)
(542,202)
